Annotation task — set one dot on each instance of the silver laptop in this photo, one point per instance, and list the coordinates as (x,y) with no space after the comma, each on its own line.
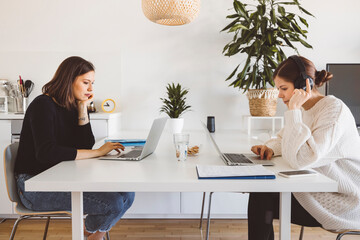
(139,153)
(238,159)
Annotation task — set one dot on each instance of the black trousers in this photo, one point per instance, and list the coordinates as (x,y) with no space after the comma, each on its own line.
(264,207)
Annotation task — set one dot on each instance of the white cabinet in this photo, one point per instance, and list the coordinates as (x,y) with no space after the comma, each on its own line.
(223,204)
(154,204)
(103,124)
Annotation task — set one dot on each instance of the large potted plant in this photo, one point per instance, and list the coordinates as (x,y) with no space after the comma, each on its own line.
(175,105)
(261,32)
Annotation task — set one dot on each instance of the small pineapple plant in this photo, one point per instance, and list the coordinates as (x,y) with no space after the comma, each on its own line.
(175,104)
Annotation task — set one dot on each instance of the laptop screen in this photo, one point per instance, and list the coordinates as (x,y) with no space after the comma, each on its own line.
(213,140)
(154,136)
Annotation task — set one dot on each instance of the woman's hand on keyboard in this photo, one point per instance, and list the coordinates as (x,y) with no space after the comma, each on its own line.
(263,151)
(109,146)
(103,150)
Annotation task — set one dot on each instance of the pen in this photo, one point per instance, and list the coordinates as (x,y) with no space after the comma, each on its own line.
(22,89)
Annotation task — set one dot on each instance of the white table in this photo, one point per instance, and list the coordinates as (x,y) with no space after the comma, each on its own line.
(160,172)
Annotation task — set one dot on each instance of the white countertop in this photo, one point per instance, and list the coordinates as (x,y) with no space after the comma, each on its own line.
(11,116)
(97,116)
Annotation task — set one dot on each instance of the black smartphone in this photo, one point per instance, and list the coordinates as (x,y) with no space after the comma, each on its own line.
(297,173)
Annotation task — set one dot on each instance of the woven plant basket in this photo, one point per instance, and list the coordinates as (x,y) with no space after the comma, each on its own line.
(262,102)
(171,12)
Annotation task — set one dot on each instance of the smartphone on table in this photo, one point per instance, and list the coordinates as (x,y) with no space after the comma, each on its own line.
(297,173)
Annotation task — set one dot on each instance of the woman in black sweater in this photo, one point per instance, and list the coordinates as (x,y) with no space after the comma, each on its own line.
(56,128)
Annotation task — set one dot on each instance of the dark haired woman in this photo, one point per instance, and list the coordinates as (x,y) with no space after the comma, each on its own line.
(56,128)
(319,133)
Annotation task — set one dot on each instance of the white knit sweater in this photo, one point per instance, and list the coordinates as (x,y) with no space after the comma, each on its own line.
(325,138)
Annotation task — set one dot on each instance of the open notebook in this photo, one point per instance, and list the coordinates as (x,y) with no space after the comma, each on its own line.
(233,172)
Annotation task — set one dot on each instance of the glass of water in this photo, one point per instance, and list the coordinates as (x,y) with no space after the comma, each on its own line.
(181,141)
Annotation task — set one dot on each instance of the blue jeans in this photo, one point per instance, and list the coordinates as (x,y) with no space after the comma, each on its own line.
(103,209)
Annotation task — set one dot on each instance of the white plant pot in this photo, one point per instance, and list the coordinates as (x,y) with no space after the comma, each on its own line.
(176,125)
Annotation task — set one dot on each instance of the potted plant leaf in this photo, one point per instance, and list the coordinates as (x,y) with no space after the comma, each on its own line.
(261,32)
(175,105)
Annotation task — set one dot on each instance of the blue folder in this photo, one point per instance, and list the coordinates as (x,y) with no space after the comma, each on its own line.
(128,142)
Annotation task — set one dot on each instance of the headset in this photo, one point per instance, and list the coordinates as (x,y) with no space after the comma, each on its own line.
(300,81)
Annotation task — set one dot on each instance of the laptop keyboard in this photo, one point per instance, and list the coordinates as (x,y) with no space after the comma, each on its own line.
(131,154)
(237,158)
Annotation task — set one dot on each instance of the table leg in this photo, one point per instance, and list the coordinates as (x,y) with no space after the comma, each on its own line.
(77,215)
(273,127)
(249,126)
(285,215)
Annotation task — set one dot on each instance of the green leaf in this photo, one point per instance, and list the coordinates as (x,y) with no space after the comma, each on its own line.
(225,48)
(282,55)
(288,42)
(273,49)
(282,24)
(233,16)
(238,82)
(264,23)
(235,37)
(287,3)
(245,69)
(230,25)
(240,9)
(248,35)
(270,37)
(237,27)
(233,49)
(273,16)
(268,75)
(238,5)
(297,28)
(261,9)
(305,11)
(305,43)
(290,16)
(272,62)
(303,21)
(281,10)
(233,73)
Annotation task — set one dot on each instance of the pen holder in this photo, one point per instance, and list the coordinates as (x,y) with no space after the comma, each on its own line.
(21,104)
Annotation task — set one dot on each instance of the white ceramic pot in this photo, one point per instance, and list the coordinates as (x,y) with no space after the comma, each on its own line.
(176,124)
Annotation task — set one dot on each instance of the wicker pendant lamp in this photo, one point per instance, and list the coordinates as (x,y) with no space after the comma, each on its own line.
(171,12)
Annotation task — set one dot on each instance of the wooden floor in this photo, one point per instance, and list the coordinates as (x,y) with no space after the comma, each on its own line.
(60,229)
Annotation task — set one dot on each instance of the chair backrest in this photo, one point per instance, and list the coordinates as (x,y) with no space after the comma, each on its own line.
(10,154)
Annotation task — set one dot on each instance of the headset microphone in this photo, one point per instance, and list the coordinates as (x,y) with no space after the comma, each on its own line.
(300,81)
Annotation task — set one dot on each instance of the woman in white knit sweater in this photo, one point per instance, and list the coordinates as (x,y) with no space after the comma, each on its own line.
(319,133)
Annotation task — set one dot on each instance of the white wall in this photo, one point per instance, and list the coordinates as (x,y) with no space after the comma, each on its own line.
(136,58)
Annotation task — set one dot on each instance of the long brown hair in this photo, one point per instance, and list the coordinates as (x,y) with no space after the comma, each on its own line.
(289,71)
(60,86)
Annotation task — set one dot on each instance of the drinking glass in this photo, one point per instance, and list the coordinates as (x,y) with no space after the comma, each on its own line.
(181,141)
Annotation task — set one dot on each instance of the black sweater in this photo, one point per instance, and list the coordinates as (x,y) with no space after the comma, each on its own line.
(50,134)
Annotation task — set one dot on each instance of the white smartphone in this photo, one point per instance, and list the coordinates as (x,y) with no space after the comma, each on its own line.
(297,173)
